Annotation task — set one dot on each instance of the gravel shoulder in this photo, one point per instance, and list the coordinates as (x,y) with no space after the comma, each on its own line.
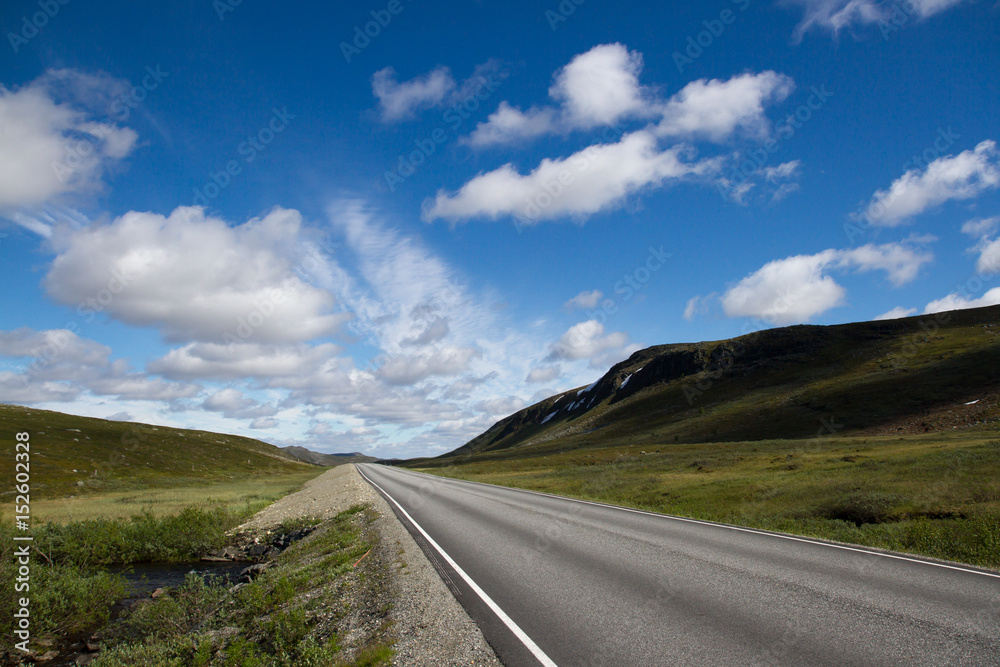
(431,627)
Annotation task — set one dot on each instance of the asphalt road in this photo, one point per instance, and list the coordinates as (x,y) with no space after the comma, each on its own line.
(556,581)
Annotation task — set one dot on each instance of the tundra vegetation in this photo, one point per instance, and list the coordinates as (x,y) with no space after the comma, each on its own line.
(108,494)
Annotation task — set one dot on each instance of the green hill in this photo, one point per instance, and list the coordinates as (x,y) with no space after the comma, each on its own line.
(912,375)
(74,455)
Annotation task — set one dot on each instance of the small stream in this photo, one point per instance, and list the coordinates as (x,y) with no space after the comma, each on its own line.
(143,579)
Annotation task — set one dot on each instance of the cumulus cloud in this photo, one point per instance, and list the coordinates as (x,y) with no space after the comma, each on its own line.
(584,300)
(218,361)
(715,109)
(61,365)
(509,124)
(953,177)
(587,340)
(956,301)
(194,277)
(592,180)
(896,313)
(835,15)
(597,88)
(798,288)
(601,88)
(411,369)
(232,403)
(54,142)
(988,247)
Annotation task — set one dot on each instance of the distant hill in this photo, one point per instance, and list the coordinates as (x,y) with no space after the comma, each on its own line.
(316,458)
(911,375)
(71,454)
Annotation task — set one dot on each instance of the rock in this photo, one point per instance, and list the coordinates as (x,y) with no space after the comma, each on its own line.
(85,659)
(159,592)
(248,574)
(48,656)
(139,603)
(257,550)
(214,559)
(93,647)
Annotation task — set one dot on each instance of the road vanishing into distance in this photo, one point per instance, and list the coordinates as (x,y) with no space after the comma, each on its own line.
(554,581)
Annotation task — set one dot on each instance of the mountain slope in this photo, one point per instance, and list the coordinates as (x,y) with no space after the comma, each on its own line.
(903,375)
(71,454)
(317,458)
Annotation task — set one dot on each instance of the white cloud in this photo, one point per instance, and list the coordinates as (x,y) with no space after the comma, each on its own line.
(52,143)
(264,422)
(988,248)
(194,277)
(584,300)
(597,88)
(896,313)
(411,369)
(587,340)
(797,288)
(508,124)
(140,387)
(835,15)
(244,360)
(600,86)
(989,257)
(400,100)
(435,89)
(981,227)
(233,404)
(501,407)
(62,365)
(955,301)
(783,171)
(715,109)
(594,179)
(957,177)
(543,374)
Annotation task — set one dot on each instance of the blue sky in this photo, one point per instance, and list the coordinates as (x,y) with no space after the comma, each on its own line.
(383,227)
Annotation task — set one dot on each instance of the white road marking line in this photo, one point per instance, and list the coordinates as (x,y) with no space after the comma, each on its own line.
(507,620)
(726,525)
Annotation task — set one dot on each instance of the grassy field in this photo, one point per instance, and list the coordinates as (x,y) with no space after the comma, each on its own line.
(935,494)
(253,491)
(80,456)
